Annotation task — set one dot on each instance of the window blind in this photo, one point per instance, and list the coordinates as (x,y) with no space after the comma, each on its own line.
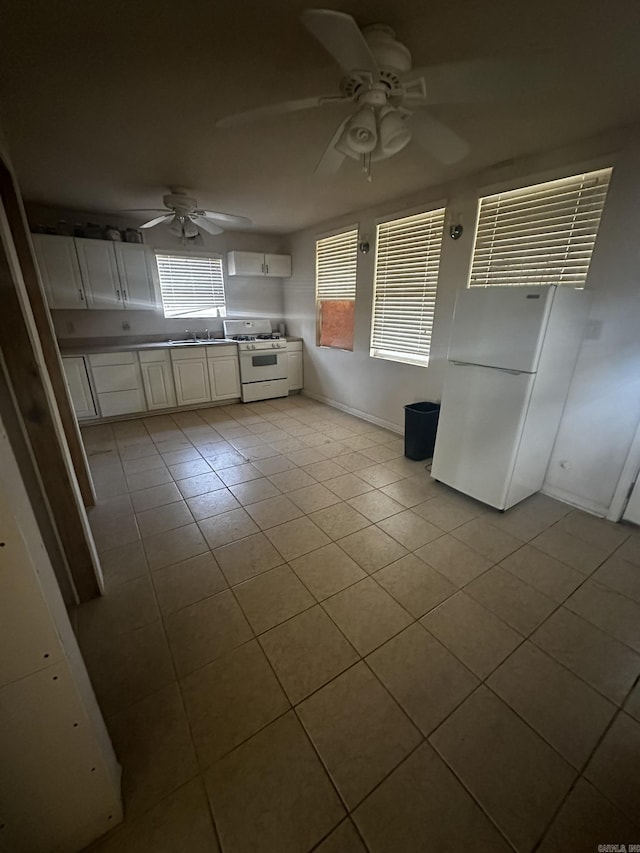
(191,286)
(406,278)
(542,234)
(336,260)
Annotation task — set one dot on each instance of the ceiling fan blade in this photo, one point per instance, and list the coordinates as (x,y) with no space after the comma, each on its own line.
(238,119)
(224,218)
(481,81)
(153,222)
(332,159)
(207,226)
(438,139)
(339,34)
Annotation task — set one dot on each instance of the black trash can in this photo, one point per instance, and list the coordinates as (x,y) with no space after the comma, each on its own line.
(420,425)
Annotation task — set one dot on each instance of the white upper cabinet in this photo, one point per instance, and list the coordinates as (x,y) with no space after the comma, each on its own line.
(60,271)
(83,273)
(99,274)
(278,265)
(257,263)
(136,279)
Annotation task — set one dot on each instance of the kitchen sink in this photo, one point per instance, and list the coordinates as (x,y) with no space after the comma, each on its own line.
(197,342)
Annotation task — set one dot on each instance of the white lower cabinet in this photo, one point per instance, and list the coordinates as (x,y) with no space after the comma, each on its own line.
(124,383)
(224,375)
(117,380)
(157,378)
(294,355)
(191,376)
(75,370)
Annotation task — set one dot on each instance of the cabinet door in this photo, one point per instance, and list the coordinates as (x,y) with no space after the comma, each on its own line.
(158,384)
(278,265)
(136,280)
(224,377)
(295,370)
(116,377)
(75,370)
(192,381)
(121,402)
(60,270)
(246,263)
(99,273)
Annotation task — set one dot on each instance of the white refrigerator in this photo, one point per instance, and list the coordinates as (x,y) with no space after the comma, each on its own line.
(511,357)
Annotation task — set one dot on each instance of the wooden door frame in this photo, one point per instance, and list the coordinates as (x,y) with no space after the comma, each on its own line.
(18,226)
(31,389)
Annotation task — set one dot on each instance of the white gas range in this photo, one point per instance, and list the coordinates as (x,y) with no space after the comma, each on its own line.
(263,358)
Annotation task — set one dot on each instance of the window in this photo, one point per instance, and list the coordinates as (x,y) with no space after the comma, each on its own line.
(191,285)
(336,262)
(543,234)
(404,299)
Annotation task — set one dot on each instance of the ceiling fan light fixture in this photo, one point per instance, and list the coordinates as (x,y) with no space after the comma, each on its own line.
(361,131)
(176,226)
(394,132)
(190,228)
(182,226)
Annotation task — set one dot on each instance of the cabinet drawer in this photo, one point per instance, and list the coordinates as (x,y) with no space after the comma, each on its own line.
(187,353)
(101,359)
(120,377)
(121,403)
(221,351)
(294,346)
(150,355)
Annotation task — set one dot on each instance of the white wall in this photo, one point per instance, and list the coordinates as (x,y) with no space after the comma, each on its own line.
(604,402)
(251,297)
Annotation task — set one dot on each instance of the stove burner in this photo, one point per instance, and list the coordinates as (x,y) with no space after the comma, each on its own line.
(243,337)
(269,336)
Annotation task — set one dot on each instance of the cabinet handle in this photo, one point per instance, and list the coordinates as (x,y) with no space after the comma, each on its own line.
(81,294)
(262,268)
(124,293)
(267,266)
(118,296)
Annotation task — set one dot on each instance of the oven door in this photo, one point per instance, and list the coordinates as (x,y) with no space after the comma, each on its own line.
(261,365)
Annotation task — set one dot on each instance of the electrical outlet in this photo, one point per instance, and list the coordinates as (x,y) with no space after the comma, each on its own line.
(564,463)
(126,326)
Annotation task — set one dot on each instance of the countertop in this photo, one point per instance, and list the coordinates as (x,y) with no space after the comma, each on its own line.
(85,346)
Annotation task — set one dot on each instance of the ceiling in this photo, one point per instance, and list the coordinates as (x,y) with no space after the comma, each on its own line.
(105,106)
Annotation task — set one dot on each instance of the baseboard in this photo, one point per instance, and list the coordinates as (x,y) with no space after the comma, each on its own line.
(365,416)
(573,500)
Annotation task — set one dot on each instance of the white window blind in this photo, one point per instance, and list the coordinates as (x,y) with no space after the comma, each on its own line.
(336,260)
(407,262)
(542,234)
(191,285)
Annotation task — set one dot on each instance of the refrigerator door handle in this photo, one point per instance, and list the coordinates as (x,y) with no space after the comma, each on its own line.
(499,369)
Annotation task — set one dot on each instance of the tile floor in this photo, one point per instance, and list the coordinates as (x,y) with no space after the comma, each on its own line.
(308,644)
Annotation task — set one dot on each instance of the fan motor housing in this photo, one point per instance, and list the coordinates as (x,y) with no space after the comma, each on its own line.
(388,51)
(178,201)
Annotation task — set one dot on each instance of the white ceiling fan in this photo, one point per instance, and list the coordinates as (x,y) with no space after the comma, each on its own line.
(389,97)
(187,217)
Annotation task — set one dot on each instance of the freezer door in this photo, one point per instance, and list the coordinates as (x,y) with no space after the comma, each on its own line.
(479,430)
(500,326)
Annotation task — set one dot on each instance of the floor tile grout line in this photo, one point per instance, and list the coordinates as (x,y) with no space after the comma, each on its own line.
(561,604)
(579,771)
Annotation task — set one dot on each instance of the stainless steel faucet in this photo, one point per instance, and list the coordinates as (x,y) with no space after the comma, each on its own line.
(190,334)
